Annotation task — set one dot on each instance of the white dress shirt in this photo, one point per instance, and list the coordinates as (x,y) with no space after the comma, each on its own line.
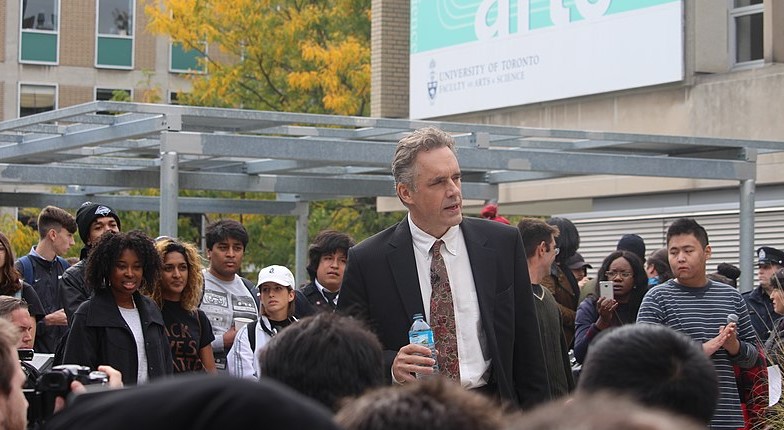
(471,341)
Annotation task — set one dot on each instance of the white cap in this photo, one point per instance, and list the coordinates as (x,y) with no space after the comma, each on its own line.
(277,274)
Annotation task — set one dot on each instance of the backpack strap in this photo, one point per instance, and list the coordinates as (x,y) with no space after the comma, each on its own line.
(27,269)
(252,335)
(63,263)
(253,289)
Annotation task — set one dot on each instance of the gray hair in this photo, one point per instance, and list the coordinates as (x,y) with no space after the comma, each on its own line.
(9,304)
(423,139)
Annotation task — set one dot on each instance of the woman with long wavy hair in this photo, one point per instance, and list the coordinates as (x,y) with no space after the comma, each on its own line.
(178,293)
(12,284)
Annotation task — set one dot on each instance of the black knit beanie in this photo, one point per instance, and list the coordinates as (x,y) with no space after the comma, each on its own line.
(87,213)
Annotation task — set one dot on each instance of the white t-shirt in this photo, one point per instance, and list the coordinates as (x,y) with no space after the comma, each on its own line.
(131,317)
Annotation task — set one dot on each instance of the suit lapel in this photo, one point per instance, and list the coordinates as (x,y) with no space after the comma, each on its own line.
(483,262)
(401,261)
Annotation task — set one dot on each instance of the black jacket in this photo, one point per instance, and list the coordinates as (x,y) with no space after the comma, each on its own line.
(46,276)
(99,335)
(316,299)
(73,291)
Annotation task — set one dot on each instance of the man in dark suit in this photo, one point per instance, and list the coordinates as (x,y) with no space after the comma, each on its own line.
(390,277)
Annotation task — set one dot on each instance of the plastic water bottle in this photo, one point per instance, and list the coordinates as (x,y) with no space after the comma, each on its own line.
(422,334)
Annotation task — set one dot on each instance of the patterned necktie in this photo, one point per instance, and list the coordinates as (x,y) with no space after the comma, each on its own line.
(442,316)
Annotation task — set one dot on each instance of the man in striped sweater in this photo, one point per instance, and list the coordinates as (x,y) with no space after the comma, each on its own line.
(699,307)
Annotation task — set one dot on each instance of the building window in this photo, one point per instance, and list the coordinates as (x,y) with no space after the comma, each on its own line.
(39,31)
(746,17)
(114,42)
(113,94)
(184,60)
(36,98)
(174,98)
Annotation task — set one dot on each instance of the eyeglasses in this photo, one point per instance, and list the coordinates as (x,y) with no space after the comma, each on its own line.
(557,250)
(623,275)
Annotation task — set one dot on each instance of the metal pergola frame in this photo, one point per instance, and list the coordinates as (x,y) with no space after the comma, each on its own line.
(100,149)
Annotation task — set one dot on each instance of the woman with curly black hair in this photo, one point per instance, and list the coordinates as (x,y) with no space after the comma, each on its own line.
(178,293)
(118,326)
(630,283)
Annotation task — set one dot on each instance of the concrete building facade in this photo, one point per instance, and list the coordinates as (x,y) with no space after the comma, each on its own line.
(56,53)
(732,87)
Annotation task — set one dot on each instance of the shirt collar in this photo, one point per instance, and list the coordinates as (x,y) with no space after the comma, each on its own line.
(423,241)
(322,288)
(34,253)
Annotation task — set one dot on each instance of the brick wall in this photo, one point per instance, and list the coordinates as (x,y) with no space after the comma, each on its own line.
(389,58)
(77,33)
(144,55)
(3,14)
(70,95)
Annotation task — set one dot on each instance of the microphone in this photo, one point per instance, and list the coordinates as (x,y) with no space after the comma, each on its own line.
(732,318)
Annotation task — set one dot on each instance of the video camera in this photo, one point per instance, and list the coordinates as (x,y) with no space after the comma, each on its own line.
(42,393)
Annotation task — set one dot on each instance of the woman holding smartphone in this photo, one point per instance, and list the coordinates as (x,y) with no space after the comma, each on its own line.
(598,312)
(118,326)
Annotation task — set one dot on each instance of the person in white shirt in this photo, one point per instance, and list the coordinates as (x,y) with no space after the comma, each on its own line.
(276,284)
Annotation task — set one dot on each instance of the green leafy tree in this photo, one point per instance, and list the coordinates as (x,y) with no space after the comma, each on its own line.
(283,55)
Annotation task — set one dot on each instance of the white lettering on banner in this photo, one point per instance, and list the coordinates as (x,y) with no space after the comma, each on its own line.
(500,27)
(559,15)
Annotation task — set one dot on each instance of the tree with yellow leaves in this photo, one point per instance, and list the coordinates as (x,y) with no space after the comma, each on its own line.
(308,56)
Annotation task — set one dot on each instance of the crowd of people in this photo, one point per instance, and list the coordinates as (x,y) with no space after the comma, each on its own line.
(519,327)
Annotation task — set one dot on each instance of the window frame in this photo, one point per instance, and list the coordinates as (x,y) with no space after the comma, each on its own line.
(56,33)
(96,88)
(169,94)
(99,35)
(733,15)
(19,86)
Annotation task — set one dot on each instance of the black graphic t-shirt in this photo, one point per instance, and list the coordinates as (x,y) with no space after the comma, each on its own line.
(187,335)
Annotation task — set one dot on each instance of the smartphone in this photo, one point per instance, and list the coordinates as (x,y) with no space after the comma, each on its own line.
(606,290)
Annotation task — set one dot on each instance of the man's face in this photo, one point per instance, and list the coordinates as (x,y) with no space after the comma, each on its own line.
(24,322)
(766,270)
(62,240)
(435,201)
(330,270)
(100,226)
(14,407)
(226,258)
(687,259)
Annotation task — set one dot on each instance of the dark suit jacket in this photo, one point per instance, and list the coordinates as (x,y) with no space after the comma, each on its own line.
(381,286)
